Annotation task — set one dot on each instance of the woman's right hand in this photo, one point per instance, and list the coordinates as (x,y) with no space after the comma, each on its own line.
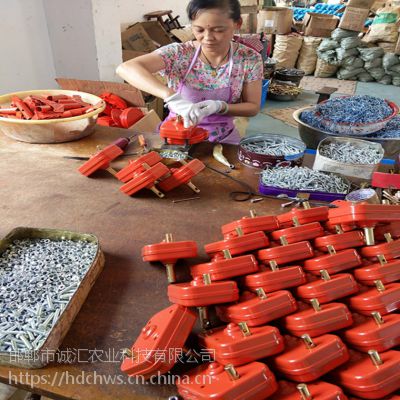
(178,105)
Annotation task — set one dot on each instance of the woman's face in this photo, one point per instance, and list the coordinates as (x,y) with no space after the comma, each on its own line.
(213,29)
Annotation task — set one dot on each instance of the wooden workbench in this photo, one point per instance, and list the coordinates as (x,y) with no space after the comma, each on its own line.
(40,188)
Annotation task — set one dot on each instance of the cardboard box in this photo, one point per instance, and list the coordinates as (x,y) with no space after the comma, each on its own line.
(157,33)
(249,24)
(182,35)
(136,38)
(319,25)
(275,20)
(365,4)
(354,19)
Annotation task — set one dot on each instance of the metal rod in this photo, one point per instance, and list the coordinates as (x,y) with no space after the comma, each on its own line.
(233,374)
(188,199)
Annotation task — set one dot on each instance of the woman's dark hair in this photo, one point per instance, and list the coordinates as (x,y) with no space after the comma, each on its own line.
(232,6)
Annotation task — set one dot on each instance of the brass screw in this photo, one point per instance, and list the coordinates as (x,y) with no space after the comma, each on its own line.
(308,341)
(375,357)
(233,374)
(377,318)
(304,392)
(331,249)
(244,328)
(315,304)
(261,293)
(325,275)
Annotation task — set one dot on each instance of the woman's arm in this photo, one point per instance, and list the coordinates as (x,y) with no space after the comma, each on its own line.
(251,98)
(139,73)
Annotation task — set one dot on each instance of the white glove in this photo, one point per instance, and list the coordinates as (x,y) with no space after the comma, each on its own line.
(177,104)
(206,108)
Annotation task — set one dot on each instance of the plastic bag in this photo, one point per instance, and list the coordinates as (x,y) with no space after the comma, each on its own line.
(369,54)
(339,34)
(328,56)
(328,44)
(377,62)
(348,62)
(386,80)
(344,53)
(390,59)
(365,77)
(396,81)
(349,74)
(377,73)
(394,70)
(350,43)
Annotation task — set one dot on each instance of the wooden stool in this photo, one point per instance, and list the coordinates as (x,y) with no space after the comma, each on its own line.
(325,93)
(170,22)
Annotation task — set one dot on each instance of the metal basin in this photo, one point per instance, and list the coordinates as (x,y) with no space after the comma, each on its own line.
(312,136)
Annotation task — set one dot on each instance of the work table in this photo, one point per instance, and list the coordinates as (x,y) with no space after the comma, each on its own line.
(41,188)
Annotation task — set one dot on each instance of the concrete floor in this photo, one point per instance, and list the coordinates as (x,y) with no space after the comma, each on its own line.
(263,123)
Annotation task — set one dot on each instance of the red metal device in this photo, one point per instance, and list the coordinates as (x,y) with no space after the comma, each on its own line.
(309,215)
(238,344)
(201,292)
(313,391)
(165,331)
(174,132)
(318,320)
(103,158)
(258,309)
(168,253)
(371,376)
(383,299)
(141,164)
(384,271)
(366,216)
(328,288)
(389,250)
(226,268)
(285,220)
(341,241)
(334,262)
(339,228)
(299,233)
(182,176)
(214,381)
(275,279)
(146,180)
(378,333)
(286,254)
(307,359)
(392,228)
(239,245)
(385,180)
(254,223)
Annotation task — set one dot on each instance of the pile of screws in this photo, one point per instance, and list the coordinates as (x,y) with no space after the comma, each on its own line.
(354,110)
(284,90)
(350,153)
(273,146)
(38,277)
(390,131)
(302,178)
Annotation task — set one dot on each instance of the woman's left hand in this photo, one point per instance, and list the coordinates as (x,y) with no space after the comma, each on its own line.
(206,108)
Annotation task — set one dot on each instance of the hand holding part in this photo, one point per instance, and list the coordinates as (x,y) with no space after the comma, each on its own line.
(177,104)
(206,108)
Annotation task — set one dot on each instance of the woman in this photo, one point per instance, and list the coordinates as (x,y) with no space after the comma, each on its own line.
(210,80)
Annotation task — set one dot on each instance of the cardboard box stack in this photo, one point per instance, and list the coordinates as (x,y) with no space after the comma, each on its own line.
(355,15)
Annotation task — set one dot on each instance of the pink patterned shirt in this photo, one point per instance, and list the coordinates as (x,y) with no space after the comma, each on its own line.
(247,67)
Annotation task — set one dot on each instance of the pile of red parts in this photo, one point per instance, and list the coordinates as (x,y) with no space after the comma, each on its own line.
(307,309)
(36,107)
(117,112)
